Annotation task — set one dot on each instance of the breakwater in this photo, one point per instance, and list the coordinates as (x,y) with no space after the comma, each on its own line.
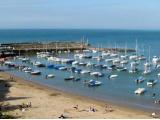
(32,47)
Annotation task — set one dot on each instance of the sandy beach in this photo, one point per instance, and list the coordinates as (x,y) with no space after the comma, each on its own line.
(50,103)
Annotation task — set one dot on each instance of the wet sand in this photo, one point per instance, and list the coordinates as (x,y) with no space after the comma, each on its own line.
(51,103)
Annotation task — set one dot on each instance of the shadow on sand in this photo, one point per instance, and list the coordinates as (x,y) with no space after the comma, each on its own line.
(6,107)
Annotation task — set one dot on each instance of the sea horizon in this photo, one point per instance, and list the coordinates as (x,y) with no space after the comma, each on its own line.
(79,59)
(112,29)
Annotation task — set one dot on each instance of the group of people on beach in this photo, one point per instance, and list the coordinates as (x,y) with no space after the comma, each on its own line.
(108,108)
(90,109)
(93,109)
(25,105)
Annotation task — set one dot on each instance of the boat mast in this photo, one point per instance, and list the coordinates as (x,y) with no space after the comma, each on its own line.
(81,44)
(71,72)
(46,47)
(115,47)
(125,48)
(56,47)
(149,54)
(87,42)
(67,50)
(98,54)
(136,48)
(19,52)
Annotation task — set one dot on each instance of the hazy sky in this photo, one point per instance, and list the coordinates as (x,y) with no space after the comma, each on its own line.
(121,14)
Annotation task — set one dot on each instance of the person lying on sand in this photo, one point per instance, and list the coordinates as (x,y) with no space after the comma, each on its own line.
(91,109)
(64,116)
(27,105)
(108,108)
(76,107)
(155,115)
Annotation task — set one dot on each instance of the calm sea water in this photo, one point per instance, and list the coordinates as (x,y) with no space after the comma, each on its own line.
(119,90)
(106,38)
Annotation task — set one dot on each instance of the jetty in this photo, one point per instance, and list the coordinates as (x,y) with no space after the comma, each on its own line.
(111,49)
(43,46)
(10,49)
(40,46)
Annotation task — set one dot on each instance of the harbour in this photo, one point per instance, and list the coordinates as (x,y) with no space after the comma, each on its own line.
(122,76)
(79,59)
(22,48)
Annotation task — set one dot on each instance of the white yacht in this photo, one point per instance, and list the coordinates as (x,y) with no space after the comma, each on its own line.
(75,63)
(25,59)
(36,72)
(27,69)
(116,61)
(94,51)
(140,91)
(89,64)
(50,75)
(133,57)
(124,62)
(85,72)
(63,68)
(124,57)
(43,54)
(147,68)
(113,55)
(151,82)
(99,74)
(133,68)
(105,54)
(112,76)
(155,60)
(38,64)
(158,74)
(140,79)
(142,57)
(82,63)
(109,60)
(93,83)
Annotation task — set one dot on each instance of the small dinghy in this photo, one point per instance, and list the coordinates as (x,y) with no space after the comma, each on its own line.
(36,72)
(93,83)
(69,78)
(50,76)
(97,74)
(82,64)
(85,72)
(39,64)
(124,62)
(75,63)
(140,91)
(121,69)
(151,82)
(140,79)
(112,76)
(25,59)
(158,74)
(63,68)
(27,70)
(77,79)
